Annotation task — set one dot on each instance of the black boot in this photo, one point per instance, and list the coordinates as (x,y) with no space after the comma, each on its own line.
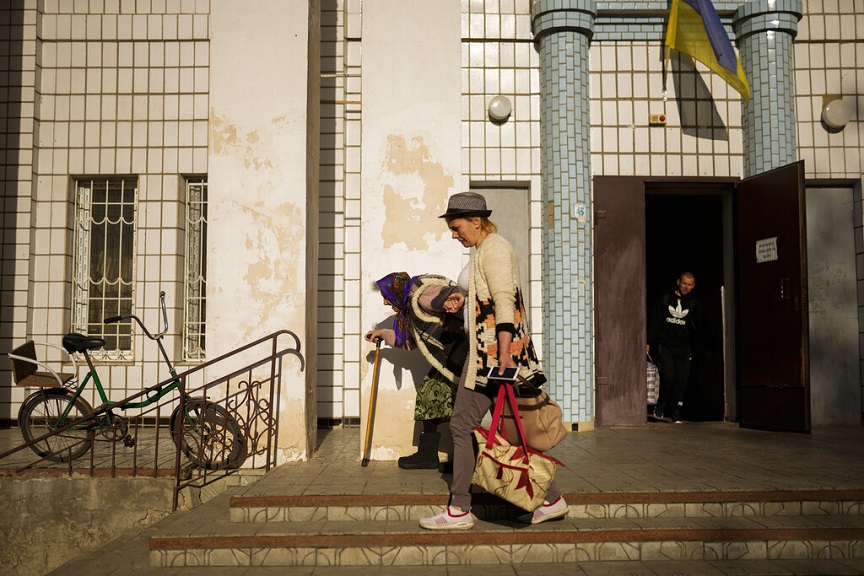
(426,456)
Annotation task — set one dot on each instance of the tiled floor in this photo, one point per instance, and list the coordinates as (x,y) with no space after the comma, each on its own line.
(657,458)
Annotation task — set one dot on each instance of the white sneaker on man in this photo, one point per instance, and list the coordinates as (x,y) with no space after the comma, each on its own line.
(546,511)
(449,519)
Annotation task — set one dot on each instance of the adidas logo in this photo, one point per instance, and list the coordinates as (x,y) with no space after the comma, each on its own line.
(677,315)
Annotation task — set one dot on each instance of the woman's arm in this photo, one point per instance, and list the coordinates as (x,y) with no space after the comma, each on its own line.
(435,298)
(498,269)
(389,336)
(505,360)
(497,266)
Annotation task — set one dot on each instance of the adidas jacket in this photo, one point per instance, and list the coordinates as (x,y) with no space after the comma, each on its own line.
(675,321)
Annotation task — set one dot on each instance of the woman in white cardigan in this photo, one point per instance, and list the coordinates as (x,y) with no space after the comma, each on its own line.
(495,316)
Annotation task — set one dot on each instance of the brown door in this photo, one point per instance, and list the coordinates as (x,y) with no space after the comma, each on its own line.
(774,375)
(619,278)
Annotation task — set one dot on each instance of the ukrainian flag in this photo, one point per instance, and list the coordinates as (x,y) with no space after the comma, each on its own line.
(695,29)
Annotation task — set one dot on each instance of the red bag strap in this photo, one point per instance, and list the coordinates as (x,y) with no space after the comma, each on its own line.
(505,394)
(496,417)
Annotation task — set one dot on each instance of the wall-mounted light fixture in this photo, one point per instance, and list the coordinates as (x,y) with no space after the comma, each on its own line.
(500,109)
(836,112)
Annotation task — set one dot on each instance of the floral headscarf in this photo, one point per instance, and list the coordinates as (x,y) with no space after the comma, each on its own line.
(396,288)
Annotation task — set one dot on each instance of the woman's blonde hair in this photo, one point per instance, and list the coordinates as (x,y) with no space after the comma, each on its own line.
(488,225)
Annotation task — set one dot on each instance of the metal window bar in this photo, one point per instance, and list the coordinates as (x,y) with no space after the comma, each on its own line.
(104,265)
(195,271)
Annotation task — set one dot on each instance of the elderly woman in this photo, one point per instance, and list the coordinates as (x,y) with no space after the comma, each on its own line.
(495,318)
(421,322)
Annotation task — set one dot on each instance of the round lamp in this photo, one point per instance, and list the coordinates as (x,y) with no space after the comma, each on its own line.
(500,108)
(836,113)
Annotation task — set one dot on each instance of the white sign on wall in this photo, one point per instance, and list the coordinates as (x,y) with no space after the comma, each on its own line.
(766,250)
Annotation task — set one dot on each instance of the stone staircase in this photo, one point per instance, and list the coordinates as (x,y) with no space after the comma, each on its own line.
(755,532)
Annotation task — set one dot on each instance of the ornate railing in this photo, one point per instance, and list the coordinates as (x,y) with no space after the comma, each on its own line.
(229,422)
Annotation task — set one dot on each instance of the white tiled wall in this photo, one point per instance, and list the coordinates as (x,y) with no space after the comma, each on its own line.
(829,63)
(18,33)
(339,249)
(702,136)
(123,89)
(499,59)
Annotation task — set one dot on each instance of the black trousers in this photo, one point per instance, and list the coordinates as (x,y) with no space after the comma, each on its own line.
(674,366)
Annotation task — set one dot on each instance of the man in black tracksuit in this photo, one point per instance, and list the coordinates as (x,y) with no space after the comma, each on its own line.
(674,324)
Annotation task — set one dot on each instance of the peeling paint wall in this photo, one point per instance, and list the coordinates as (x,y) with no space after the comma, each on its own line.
(411,164)
(259,186)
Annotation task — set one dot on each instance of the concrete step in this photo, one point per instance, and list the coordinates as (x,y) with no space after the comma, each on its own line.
(716,504)
(400,541)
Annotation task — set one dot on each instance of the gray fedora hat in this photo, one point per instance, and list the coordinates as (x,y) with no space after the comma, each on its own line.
(466,204)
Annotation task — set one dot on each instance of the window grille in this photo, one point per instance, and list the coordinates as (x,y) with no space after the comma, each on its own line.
(195,271)
(104,260)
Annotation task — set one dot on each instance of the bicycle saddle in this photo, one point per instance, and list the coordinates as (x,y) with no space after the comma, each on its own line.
(79,342)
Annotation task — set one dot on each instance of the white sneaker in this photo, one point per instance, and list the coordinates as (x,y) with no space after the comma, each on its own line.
(548,511)
(449,519)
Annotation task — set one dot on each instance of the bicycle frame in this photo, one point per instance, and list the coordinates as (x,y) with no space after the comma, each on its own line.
(92,374)
(208,434)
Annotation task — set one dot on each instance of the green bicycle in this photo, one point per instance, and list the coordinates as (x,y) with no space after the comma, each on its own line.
(60,425)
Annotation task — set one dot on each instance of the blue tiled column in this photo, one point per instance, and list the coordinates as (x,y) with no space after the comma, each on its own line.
(764,30)
(562,32)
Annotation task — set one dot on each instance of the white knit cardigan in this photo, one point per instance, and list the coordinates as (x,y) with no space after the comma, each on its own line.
(494,281)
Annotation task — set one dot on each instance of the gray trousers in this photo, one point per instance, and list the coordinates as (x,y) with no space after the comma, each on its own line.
(468,411)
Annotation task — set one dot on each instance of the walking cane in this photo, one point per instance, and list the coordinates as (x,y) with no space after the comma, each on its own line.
(370,416)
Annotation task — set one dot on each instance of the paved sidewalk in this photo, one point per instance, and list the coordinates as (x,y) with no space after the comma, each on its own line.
(660,457)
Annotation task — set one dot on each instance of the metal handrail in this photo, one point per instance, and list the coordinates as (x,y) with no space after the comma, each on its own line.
(252,402)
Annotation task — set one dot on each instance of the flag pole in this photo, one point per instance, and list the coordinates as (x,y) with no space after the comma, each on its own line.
(665,76)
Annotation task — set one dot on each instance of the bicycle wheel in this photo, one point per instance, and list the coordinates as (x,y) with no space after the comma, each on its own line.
(210,437)
(38,416)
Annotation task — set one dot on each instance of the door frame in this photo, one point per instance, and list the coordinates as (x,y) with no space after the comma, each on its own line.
(616,371)
(725,347)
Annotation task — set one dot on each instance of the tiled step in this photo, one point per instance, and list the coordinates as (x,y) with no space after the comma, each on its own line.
(504,542)
(622,568)
(271,508)
(453,549)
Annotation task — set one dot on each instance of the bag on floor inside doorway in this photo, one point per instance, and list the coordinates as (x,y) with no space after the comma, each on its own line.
(653,382)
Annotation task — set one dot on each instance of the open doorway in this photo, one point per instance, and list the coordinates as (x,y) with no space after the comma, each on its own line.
(686,229)
(727,231)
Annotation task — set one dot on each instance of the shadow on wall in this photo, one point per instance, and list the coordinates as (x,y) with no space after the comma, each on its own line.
(408,366)
(12,268)
(696,107)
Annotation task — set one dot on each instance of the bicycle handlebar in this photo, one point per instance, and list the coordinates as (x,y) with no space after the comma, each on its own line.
(114,319)
(164,310)
(158,336)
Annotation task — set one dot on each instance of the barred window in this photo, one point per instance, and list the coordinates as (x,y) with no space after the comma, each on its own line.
(104,260)
(195,275)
